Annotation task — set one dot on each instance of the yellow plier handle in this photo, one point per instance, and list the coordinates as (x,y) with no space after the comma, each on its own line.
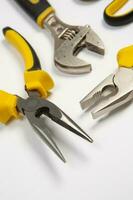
(8,107)
(117,20)
(125,57)
(35,78)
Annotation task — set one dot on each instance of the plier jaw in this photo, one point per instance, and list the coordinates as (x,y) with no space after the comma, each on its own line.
(96,95)
(115,91)
(37,110)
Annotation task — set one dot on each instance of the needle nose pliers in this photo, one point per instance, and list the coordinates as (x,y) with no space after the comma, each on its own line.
(36,108)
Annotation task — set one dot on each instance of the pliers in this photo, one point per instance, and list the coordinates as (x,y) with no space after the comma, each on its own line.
(116,90)
(69,40)
(35,108)
(117,20)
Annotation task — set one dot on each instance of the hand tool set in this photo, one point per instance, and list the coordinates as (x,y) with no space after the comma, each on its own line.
(115,91)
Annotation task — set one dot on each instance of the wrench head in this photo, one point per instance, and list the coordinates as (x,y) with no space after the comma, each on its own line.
(69,41)
(65,55)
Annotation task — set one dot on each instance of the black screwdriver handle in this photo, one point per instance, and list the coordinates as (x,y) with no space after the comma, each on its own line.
(38,10)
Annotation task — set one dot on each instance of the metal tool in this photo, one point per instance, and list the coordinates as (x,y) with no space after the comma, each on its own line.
(116,90)
(117,20)
(69,40)
(36,108)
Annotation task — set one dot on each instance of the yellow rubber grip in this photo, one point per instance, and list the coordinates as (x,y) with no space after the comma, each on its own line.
(39,80)
(21,45)
(41,18)
(125,57)
(8,110)
(115,6)
(35,78)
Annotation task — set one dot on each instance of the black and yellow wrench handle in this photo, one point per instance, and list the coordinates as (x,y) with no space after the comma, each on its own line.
(38,10)
(35,78)
(117,20)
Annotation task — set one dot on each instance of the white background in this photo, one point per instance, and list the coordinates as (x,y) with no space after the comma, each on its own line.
(28,169)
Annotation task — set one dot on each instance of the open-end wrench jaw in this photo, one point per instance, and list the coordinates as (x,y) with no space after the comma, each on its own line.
(94,43)
(69,41)
(65,55)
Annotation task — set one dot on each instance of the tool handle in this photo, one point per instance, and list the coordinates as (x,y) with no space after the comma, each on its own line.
(8,107)
(117,20)
(38,10)
(35,78)
(31,59)
(125,57)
